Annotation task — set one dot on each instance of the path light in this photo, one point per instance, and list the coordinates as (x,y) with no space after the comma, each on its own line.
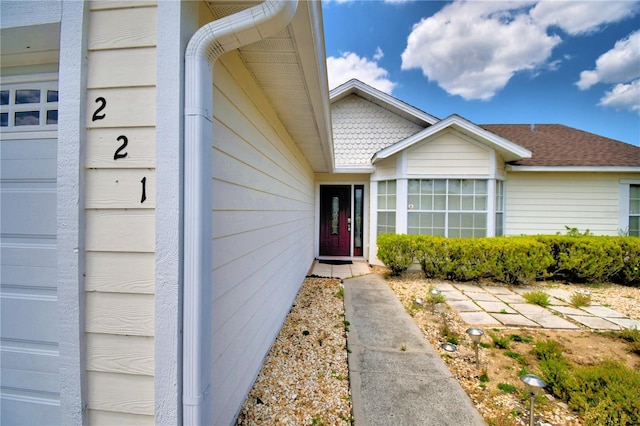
(418,303)
(434,296)
(476,335)
(532,385)
(449,347)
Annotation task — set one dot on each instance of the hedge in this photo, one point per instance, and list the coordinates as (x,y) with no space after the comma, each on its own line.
(516,260)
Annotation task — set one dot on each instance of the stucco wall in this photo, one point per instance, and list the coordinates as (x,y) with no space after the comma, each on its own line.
(263,215)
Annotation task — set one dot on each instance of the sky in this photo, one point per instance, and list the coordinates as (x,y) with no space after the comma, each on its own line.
(575,63)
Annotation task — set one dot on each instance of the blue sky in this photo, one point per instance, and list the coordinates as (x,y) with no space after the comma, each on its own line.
(570,62)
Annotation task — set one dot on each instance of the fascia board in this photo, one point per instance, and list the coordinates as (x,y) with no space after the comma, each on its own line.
(314,66)
(587,169)
(506,148)
(354,169)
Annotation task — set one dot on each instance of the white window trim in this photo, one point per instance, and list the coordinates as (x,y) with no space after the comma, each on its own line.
(13,84)
(623,203)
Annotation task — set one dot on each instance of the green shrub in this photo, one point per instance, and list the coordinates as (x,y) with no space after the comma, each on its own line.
(520,260)
(396,251)
(537,297)
(629,273)
(433,255)
(605,394)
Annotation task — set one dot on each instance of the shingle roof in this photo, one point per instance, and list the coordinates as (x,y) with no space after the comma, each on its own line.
(562,146)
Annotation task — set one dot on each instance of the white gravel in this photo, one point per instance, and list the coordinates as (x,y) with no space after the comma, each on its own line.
(305,377)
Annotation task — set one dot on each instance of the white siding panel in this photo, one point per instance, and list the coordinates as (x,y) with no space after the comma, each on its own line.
(99,417)
(120,392)
(102,145)
(134,272)
(111,353)
(120,230)
(117,68)
(121,188)
(448,154)
(122,28)
(115,313)
(263,215)
(386,168)
(124,107)
(544,203)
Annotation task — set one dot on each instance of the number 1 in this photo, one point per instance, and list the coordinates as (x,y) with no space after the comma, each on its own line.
(144,189)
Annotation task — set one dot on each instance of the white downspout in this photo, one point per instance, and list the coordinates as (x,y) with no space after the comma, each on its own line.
(206,45)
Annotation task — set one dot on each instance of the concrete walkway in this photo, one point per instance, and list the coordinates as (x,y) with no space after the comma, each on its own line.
(397,378)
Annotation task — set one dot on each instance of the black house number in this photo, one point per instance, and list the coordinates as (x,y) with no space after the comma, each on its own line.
(98,114)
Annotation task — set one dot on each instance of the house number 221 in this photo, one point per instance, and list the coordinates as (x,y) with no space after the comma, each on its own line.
(120,152)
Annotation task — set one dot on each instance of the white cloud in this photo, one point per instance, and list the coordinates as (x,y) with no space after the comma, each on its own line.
(581,17)
(623,96)
(472,49)
(621,64)
(378,55)
(350,65)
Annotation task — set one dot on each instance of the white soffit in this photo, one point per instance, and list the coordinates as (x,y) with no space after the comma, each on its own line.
(290,68)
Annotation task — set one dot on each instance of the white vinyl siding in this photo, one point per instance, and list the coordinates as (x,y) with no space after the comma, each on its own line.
(120,221)
(263,228)
(448,154)
(544,203)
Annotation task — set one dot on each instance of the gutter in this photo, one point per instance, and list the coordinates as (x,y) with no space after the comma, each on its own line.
(204,48)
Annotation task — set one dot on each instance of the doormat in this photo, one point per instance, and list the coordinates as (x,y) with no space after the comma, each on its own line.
(336,262)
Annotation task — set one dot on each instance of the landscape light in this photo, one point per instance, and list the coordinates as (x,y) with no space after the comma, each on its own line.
(533,385)
(476,335)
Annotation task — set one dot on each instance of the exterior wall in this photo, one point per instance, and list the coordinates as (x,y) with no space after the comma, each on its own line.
(361,128)
(263,218)
(544,203)
(448,154)
(120,212)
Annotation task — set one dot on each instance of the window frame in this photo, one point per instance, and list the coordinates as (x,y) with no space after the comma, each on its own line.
(42,107)
(389,210)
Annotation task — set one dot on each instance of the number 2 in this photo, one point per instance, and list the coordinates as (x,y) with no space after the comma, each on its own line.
(96,115)
(125,142)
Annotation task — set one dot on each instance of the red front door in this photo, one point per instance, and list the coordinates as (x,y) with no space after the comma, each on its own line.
(335,220)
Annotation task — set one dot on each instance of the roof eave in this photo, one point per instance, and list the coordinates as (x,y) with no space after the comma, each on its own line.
(581,169)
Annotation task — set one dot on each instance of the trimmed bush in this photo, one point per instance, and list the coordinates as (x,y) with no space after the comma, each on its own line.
(396,251)
(516,260)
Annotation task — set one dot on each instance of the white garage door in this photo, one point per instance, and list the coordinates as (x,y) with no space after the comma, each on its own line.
(29,385)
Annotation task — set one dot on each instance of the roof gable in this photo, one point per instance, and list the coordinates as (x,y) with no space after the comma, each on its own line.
(383,100)
(507,149)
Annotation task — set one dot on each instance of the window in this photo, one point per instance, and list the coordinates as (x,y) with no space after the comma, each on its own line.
(447,207)
(634,210)
(499,208)
(387,207)
(32,106)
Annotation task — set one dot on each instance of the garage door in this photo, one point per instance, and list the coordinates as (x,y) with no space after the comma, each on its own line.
(29,386)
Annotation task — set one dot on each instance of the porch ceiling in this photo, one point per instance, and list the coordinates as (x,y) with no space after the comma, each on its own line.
(290,68)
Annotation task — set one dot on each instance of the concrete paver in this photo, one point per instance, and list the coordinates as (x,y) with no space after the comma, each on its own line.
(514,320)
(481,296)
(553,322)
(511,298)
(453,295)
(568,310)
(478,318)
(626,323)
(464,306)
(495,307)
(603,311)
(529,309)
(595,323)
(496,289)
